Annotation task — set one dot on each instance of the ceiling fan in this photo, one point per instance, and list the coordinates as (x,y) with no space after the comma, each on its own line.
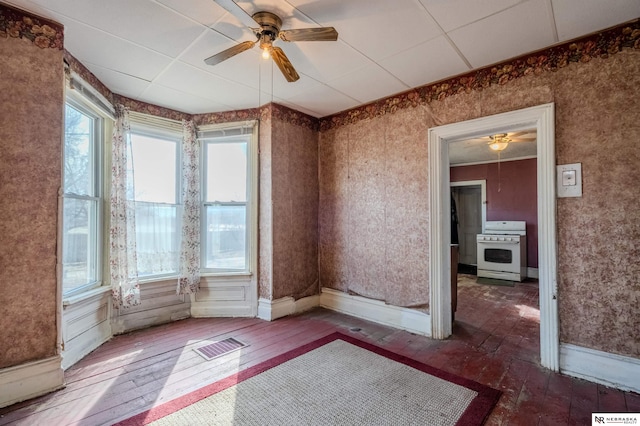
(267,32)
(500,141)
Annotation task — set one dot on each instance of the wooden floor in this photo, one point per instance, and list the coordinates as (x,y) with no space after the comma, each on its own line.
(495,342)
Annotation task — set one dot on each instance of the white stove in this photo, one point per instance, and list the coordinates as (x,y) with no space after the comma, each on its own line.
(502,250)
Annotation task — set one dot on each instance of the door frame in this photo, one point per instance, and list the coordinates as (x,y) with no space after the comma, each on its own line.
(483,195)
(542,119)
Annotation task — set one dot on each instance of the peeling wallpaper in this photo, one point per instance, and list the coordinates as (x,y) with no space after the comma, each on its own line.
(288,209)
(31,115)
(374,211)
(373,204)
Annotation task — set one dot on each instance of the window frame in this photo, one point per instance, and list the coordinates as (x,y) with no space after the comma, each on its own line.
(97,155)
(224,133)
(139,126)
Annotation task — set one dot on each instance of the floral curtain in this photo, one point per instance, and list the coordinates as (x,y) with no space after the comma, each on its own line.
(122,232)
(189,280)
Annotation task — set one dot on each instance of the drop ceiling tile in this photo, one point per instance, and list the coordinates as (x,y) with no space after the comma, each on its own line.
(243,68)
(513,32)
(118,82)
(428,62)
(377,29)
(323,100)
(167,97)
(323,61)
(298,108)
(148,23)
(368,84)
(575,18)
(453,14)
(205,12)
(273,82)
(196,82)
(112,52)
(290,16)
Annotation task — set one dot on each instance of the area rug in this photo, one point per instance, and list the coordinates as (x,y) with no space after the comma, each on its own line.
(336,380)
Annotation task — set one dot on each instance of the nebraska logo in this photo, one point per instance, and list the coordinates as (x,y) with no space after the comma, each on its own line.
(597,419)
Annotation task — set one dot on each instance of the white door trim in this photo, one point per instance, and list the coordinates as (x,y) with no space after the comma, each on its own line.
(542,119)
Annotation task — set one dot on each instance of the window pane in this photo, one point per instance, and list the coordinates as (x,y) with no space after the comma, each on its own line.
(157,238)
(227,172)
(154,169)
(225,237)
(79,245)
(78,158)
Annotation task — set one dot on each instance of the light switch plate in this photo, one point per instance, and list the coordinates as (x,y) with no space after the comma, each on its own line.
(569,180)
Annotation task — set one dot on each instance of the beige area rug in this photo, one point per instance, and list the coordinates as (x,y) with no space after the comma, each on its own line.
(337,380)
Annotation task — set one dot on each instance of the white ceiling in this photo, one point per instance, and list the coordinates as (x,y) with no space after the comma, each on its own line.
(474,151)
(153,50)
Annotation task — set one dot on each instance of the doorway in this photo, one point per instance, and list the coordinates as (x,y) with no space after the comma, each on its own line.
(470,201)
(542,119)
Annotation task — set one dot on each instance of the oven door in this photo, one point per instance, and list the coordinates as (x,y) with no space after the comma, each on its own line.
(499,256)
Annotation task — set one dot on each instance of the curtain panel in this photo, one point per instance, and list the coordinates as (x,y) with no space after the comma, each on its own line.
(122,232)
(189,279)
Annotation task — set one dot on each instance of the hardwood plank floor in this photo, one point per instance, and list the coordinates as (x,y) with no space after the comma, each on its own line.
(495,342)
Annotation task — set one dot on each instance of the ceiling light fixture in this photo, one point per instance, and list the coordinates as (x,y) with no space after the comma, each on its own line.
(499,142)
(266,40)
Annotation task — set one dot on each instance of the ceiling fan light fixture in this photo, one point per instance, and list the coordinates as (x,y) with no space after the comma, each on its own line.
(499,142)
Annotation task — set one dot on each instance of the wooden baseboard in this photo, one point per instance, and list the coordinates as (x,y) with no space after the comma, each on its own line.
(609,369)
(29,380)
(376,311)
(273,309)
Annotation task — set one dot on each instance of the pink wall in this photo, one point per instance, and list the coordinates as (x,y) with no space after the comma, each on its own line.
(516,199)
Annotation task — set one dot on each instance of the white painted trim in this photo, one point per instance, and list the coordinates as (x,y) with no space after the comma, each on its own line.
(223,310)
(609,369)
(29,380)
(482,183)
(542,119)
(503,160)
(376,311)
(273,309)
(532,273)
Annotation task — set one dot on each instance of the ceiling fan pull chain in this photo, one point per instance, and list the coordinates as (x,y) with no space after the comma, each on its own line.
(499,177)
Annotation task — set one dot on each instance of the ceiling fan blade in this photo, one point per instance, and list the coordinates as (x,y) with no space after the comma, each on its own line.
(515,135)
(523,140)
(226,54)
(284,64)
(309,34)
(231,7)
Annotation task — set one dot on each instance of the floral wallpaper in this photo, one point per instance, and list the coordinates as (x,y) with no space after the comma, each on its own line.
(44,33)
(374,208)
(601,45)
(30,176)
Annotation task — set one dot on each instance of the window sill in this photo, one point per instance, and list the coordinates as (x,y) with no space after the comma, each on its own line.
(99,291)
(225,275)
(157,279)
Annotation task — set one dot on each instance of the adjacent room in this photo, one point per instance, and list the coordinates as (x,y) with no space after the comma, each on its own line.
(312,212)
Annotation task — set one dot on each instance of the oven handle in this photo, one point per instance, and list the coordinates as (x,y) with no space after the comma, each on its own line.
(497,242)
